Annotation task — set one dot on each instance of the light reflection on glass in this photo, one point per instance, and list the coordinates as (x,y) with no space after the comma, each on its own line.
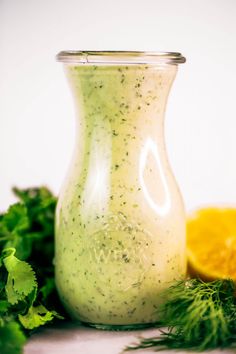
(151,148)
(96,190)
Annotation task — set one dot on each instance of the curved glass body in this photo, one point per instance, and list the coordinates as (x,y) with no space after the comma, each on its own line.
(120,225)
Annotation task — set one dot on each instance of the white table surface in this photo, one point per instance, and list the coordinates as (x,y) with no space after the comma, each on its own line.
(71,339)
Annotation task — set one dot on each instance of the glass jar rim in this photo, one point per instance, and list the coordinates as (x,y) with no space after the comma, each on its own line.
(119,57)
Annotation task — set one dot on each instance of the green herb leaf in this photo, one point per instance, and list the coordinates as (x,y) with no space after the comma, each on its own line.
(16,219)
(200,316)
(3,306)
(48,288)
(12,338)
(36,316)
(21,277)
(13,230)
(28,296)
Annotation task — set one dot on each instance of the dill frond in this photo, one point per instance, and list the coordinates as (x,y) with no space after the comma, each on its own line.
(199,316)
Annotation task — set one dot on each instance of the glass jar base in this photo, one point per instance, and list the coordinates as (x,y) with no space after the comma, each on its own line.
(130,327)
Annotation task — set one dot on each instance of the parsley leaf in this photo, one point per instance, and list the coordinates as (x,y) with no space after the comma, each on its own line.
(16,219)
(21,277)
(28,296)
(36,316)
(12,338)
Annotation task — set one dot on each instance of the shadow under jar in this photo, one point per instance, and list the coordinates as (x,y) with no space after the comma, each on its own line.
(120,223)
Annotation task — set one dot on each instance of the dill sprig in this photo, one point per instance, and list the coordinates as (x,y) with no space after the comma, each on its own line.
(199,316)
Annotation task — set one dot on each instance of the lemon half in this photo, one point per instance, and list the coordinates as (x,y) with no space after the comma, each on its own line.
(211,243)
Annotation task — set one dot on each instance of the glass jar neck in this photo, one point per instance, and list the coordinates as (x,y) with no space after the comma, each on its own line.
(121,96)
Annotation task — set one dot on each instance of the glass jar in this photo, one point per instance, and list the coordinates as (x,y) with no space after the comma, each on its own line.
(120,224)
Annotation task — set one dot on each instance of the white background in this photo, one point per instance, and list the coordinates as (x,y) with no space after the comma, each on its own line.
(36,109)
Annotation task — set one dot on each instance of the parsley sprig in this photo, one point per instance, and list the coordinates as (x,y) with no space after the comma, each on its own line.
(28,297)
